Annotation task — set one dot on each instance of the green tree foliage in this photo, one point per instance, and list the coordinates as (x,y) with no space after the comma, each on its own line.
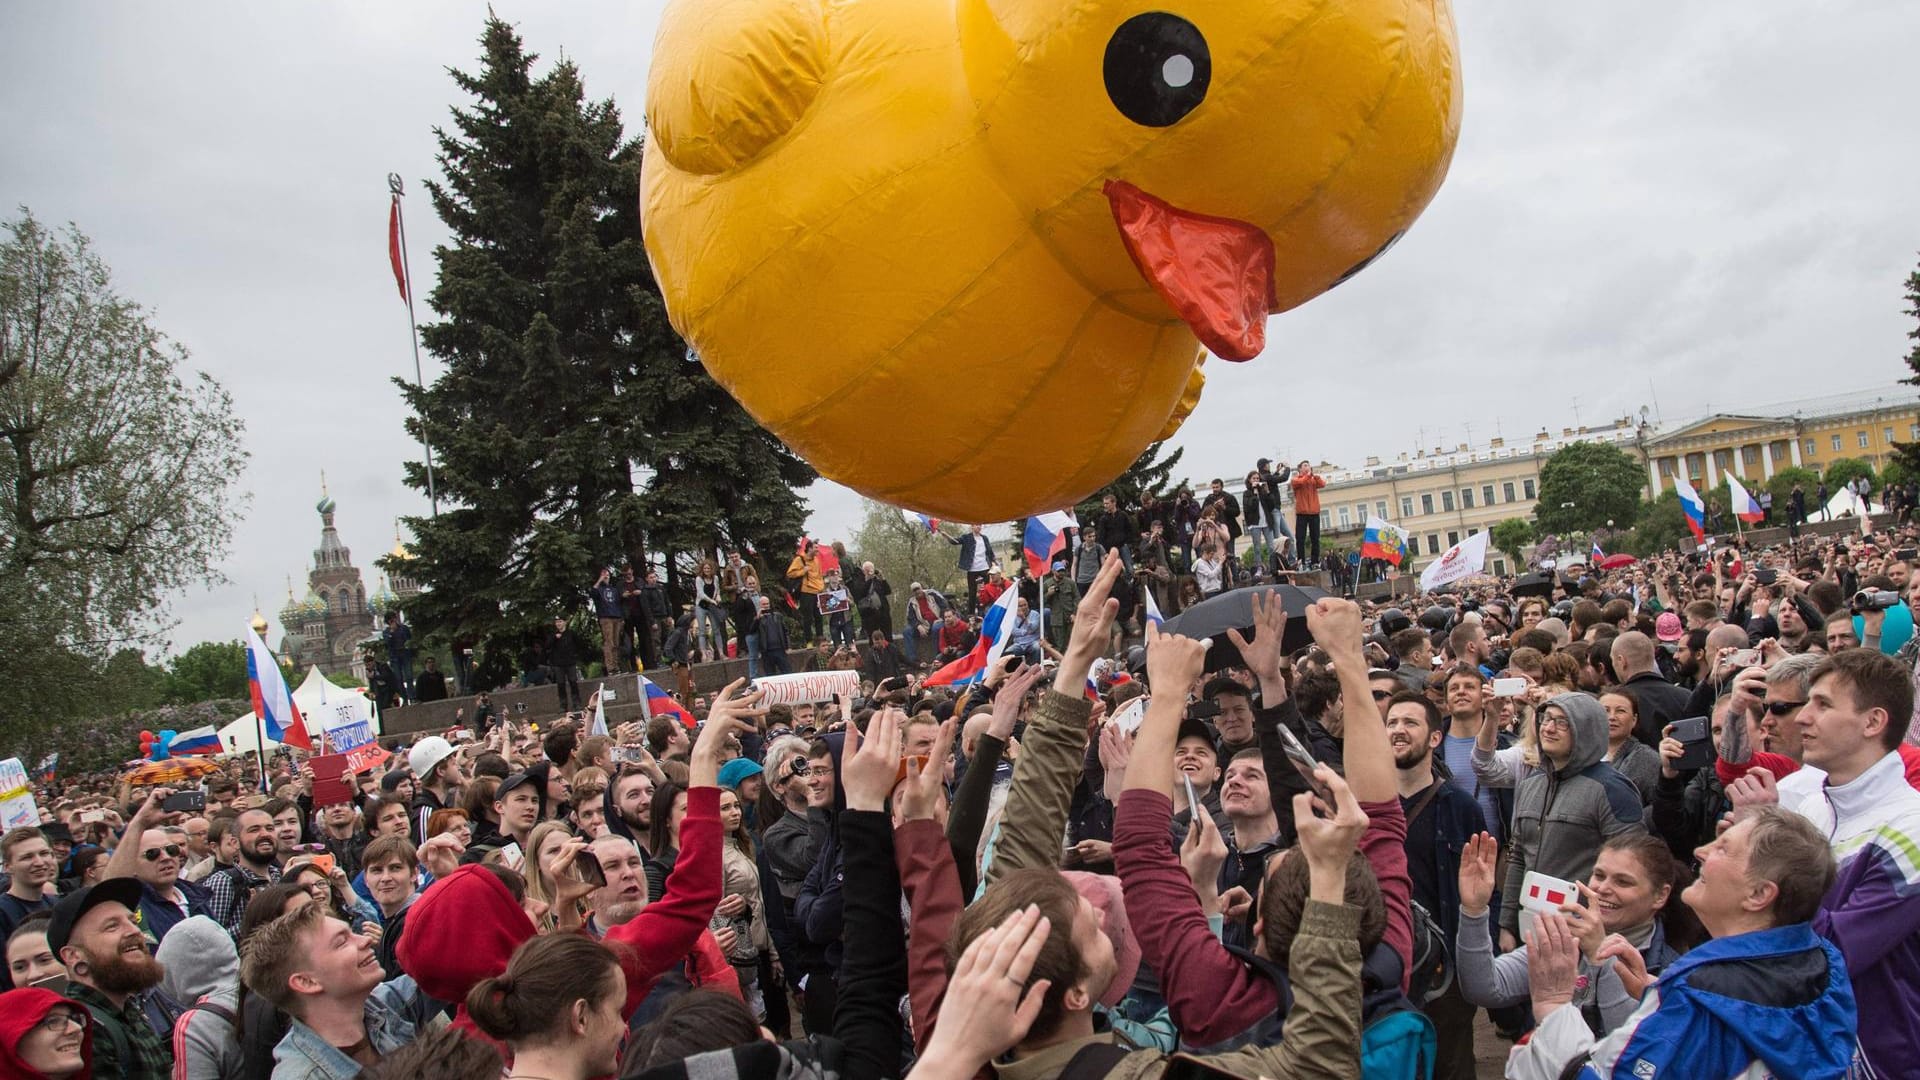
(1781,486)
(1584,485)
(1149,472)
(569,430)
(116,477)
(1511,537)
(1908,454)
(1897,471)
(210,671)
(1845,469)
(905,552)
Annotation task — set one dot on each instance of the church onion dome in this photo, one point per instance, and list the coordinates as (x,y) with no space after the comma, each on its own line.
(400,551)
(258,622)
(383,599)
(313,607)
(325,505)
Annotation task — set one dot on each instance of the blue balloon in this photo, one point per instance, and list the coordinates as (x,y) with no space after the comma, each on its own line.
(159,752)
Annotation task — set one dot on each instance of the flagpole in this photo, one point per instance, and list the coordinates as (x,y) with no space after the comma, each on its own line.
(398,188)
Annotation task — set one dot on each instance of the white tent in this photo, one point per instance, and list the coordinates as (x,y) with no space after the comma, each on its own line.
(243,736)
(1845,503)
(327,706)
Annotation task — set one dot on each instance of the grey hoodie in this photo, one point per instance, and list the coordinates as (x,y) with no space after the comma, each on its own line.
(1561,816)
(200,961)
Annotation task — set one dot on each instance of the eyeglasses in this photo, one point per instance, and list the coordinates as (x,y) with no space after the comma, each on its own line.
(152,854)
(1782,708)
(59,1019)
(817,770)
(1547,721)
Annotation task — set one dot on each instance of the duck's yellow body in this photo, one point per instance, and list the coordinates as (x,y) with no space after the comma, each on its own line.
(962,255)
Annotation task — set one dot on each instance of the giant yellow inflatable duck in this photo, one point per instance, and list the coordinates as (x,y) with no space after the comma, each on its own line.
(962,255)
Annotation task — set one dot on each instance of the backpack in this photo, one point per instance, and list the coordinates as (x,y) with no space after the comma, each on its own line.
(1432,971)
(244,887)
(1398,1042)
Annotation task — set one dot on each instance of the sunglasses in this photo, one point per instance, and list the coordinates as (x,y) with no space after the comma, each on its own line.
(152,854)
(1782,708)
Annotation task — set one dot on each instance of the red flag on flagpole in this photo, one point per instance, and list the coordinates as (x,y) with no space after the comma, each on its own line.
(393,248)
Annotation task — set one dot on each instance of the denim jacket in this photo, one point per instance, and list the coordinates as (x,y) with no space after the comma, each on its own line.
(395,1011)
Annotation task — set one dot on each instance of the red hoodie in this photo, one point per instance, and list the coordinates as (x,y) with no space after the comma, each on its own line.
(20,1010)
(668,928)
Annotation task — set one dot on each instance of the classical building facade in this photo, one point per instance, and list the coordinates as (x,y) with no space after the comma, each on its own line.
(328,626)
(1811,433)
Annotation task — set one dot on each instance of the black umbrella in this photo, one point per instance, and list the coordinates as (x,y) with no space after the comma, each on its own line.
(1538,583)
(1233,610)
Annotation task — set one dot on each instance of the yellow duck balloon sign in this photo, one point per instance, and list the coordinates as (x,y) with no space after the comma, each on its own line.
(964,255)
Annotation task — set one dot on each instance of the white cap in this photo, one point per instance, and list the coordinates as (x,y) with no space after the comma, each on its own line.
(426,756)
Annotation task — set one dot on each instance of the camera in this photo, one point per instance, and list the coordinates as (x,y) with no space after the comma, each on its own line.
(1202,710)
(1874,600)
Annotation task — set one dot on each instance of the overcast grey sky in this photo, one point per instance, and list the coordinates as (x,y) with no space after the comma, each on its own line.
(1713,205)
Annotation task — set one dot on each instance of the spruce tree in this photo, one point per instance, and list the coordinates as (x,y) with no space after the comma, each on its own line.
(569,429)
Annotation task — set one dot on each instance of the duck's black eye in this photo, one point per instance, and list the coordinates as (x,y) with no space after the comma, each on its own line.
(1157,69)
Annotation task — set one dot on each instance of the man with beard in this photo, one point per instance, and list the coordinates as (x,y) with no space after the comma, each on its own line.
(256,868)
(1441,818)
(95,934)
(629,805)
(151,856)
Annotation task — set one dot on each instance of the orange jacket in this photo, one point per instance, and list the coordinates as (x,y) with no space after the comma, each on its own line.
(1306,492)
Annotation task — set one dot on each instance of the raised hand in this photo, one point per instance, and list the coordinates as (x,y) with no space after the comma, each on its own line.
(870,763)
(1336,627)
(1202,853)
(1092,621)
(989,1007)
(1008,699)
(1479,864)
(1628,964)
(1584,923)
(1553,964)
(1754,790)
(1262,654)
(920,792)
(1173,662)
(1329,843)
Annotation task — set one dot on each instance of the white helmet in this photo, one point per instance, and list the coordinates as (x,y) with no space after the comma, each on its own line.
(426,756)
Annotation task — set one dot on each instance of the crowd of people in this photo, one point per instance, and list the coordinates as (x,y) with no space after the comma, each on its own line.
(1659,821)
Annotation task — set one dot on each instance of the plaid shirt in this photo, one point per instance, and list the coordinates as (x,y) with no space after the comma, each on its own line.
(150,1057)
(225,904)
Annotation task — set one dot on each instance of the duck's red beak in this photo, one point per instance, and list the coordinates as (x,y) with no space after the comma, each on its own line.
(1216,273)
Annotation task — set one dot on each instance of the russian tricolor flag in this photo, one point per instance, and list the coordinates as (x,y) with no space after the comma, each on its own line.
(1596,554)
(271,702)
(1046,537)
(661,703)
(1152,607)
(201,740)
(996,629)
(1692,506)
(931,524)
(1745,506)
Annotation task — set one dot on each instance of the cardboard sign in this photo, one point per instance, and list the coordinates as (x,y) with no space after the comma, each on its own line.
(808,686)
(331,783)
(16,796)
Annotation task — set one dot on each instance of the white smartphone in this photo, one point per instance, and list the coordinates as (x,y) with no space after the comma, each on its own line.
(1513,687)
(1131,714)
(1543,895)
(512,856)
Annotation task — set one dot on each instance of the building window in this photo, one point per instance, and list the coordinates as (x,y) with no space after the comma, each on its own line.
(1433,543)
(1863,440)
(1808,450)
(1466,498)
(1506,490)
(1723,460)
(1486,494)
(1406,506)
(1453,538)
(1526,486)
(1887,435)
(1782,451)
(1346,519)
(1913,432)
(1750,456)
(1446,501)
(1380,508)
(1666,467)
(1426,504)
(1836,444)
(1322,515)
(1499,568)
